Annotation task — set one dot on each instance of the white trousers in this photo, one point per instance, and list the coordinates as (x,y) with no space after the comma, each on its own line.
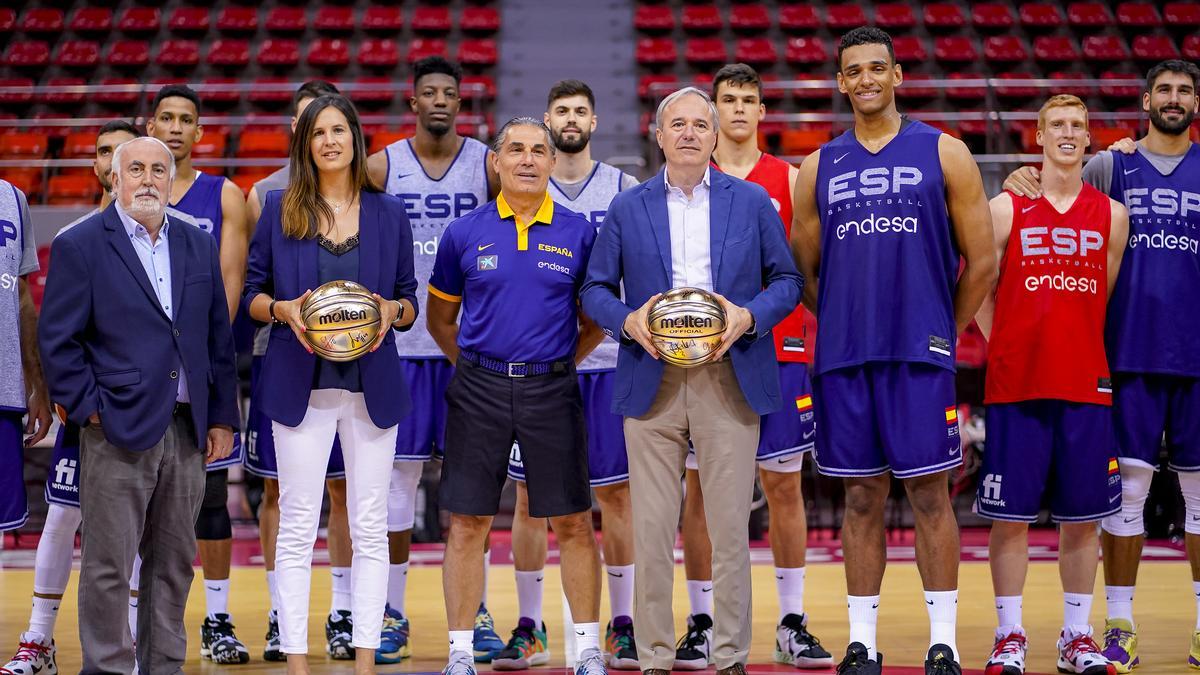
(302,453)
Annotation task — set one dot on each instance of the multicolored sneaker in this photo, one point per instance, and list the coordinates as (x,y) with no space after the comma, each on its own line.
(393,639)
(940,661)
(218,643)
(620,645)
(590,662)
(694,649)
(1193,655)
(1080,654)
(527,647)
(34,656)
(1008,654)
(272,651)
(487,643)
(339,635)
(1120,644)
(796,646)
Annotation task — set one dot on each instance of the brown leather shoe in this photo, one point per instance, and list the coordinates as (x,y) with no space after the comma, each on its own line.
(735,669)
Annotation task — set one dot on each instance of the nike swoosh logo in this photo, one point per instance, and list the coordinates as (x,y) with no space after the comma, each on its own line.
(1130,520)
(616,574)
(875,606)
(810,434)
(484,247)
(784,461)
(1027,209)
(1195,517)
(217,590)
(579,633)
(929,602)
(706,590)
(1075,604)
(840,158)
(1129,171)
(779,577)
(335,575)
(540,579)
(402,176)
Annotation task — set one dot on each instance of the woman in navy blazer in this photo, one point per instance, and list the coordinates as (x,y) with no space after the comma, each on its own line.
(330,223)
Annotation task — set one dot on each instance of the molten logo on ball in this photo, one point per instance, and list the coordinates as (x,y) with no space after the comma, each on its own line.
(342,320)
(686,326)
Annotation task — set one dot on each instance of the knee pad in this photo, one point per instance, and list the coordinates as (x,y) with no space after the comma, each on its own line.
(52,563)
(1135,486)
(1189,485)
(402,495)
(213,523)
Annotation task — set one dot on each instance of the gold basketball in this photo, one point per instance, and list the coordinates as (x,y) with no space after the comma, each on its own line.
(341,319)
(686,326)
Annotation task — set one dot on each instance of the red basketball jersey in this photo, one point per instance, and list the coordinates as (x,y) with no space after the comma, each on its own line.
(1048,332)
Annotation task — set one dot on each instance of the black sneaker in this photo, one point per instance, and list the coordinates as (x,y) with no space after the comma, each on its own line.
(272,652)
(940,661)
(339,634)
(218,643)
(694,649)
(796,646)
(857,661)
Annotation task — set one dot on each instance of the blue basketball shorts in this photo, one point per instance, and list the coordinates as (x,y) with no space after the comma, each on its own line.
(62,480)
(1049,452)
(260,440)
(886,416)
(607,462)
(14,505)
(1147,407)
(422,434)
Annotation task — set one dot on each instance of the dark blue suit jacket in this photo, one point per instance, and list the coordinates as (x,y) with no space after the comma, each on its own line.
(751,266)
(108,347)
(284,268)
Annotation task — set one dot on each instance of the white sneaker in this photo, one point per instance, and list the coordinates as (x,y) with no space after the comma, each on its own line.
(694,649)
(34,657)
(1080,654)
(1008,654)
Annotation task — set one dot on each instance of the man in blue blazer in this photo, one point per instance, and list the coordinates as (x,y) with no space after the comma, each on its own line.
(137,348)
(690,226)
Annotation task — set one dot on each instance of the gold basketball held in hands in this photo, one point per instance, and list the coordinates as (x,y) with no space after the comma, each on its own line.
(341,319)
(686,326)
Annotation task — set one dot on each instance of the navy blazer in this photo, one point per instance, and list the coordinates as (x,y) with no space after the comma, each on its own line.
(108,347)
(751,266)
(284,268)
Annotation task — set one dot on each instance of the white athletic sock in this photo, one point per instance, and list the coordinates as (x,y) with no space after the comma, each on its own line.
(789,583)
(272,590)
(529,595)
(587,636)
(397,585)
(462,641)
(340,598)
(943,617)
(1119,602)
(1196,590)
(43,615)
(700,596)
(620,590)
(132,616)
(864,614)
(1077,607)
(1008,612)
(487,564)
(216,596)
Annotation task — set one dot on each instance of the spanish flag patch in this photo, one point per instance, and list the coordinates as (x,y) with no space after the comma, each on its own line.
(951,415)
(804,403)
(1113,467)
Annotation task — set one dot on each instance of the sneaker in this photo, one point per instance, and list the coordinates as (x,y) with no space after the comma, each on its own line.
(487,643)
(795,645)
(460,663)
(272,652)
(339,635)
(527,647)
(218,643)
(1120,644)
(619,642)
(1193,654)
(694,649)
(393,640)
(1080,654)
(33,656)
(1008,654)
(590,662)
(857,661)
(940,661)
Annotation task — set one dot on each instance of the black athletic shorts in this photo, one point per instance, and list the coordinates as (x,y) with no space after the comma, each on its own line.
(487,412)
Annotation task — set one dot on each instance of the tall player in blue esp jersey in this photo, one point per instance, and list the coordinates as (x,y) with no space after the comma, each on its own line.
(217,206)
(884,213)
(1153,321)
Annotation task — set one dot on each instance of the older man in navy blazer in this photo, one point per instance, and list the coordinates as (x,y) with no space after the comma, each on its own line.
(690,226)
(137,347)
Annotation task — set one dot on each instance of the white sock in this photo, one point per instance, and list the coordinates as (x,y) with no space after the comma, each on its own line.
(487,564)
(273,590)
(529,595)
(132,616)
(789,583)
(1008,613)
(620,590)
(864,614)
(397,585)
(1196,590)
(340,598)
(462,641)
(216,596)
(1119,602)
(587,636)
(43,615)
(700,596)
(943,617)
(1077,607)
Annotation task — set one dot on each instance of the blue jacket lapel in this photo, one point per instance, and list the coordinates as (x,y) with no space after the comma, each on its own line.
(119,239)
(720,202)
(178,245)
(654,196)
(306,252)
(369,239)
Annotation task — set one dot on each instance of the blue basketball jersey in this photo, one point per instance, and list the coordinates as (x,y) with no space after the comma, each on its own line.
(202,202)
(888,256)
(1154,312)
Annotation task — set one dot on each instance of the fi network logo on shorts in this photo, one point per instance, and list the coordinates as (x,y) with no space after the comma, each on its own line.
(990,494)
(879,187)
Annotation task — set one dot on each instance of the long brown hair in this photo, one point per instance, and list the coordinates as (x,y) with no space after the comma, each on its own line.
(303,208)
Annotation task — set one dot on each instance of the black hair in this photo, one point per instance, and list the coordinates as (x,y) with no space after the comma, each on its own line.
(431,65)
(1173,66)
(865,35)
(737,75)
(565,88)
(119,125)
(180,90)
(313,89)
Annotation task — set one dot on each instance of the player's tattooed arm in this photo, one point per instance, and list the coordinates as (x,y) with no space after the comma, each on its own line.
(971,221)
(806,228)
(377,167)
(1001,207)
(235,243)
(1118,237)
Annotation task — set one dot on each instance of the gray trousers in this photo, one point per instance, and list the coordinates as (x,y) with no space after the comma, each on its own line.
(137,502)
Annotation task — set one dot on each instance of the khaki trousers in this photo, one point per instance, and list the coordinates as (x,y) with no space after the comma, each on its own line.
(704,405)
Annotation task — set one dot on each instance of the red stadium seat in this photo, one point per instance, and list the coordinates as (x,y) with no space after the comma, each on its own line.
(24,145)
(375,94)
(1138,15)
(42,20)
(895,16)
(844,17)
(188,20)
(1041,16)
(972,93)
(487,83)
(1055,49)
(752,17)
(1104,48)
(117,98)
(8,19)
(279,52)
(334,19)
(801,141)
(382,139)
(769,93)
(1016,91)
(77,54)
(426,19)
(479,19)
(140,20)
(1102,137)
(1182,14)
(265,92)
(806,51)
(992,16)
(17,97)
(62,97)
(28,181)
(1089,15)
(237,19)
(179,53)
(1191,48)
(212,144)
(1120,92)
(1081,91)
(285,19)
(910,50)
(1154,48)
(655,51)
(755,51)
(329,53)
(424,47)
(944,16)
(252,144)
(653,18)
(128,54)
(378,53)
(26,54)
(229,53)
(92,20)
(798,17)
(701,18)
(914,89)
(221,96)
(1005,49)
(646,85)
(72,189)
(382,18)
(478,52)
(817,92)
(79,146)
(955,49)
(247,176)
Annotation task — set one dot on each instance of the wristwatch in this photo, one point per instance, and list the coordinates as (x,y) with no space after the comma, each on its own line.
(400,314)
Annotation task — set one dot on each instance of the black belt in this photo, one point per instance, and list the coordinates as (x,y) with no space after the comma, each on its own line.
(182,410)
(515,369)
